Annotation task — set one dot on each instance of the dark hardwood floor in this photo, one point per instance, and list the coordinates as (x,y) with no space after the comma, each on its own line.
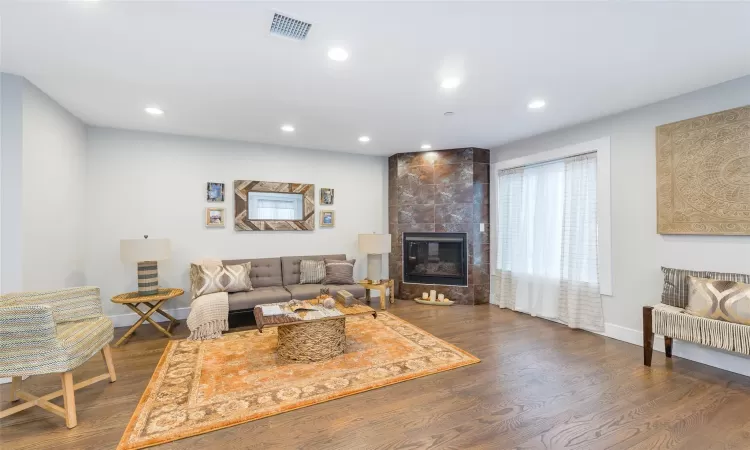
(539,385)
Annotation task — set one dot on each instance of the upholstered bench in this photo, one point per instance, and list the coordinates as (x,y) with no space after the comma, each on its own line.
(671,320)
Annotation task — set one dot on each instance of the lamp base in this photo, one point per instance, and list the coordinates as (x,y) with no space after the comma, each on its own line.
(148,278)
(374,267)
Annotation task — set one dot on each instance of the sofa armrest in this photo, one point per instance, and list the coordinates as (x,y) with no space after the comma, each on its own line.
(27,326)
(65,304)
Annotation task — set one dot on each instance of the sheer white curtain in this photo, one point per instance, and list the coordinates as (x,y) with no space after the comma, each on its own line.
(547,235)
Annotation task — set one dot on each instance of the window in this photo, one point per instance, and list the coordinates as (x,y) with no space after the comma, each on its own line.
(547,235)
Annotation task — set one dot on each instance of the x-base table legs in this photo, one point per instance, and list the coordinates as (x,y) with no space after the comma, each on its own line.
(153,308)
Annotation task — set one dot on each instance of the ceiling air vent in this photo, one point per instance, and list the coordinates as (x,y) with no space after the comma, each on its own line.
(291,28)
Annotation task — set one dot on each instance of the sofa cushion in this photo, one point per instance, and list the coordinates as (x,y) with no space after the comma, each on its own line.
(258,296)
(265,271)
(308,291)
(290,266)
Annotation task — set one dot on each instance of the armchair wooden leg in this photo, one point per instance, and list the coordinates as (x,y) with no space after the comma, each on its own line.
(668,346)
(15,386)
(107,354)
(69,399)
(648,335)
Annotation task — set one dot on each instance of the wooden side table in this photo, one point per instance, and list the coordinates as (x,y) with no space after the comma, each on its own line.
(153,302)
(382,287)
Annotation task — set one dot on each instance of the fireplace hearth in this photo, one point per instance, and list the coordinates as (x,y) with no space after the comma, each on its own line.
(435,258)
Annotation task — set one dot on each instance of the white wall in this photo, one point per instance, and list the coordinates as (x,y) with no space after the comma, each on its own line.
(11,166)
(54,164)
(146,183)
(43,164)
(638,251)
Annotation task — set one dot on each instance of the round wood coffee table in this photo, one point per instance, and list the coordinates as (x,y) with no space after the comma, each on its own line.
(153,302)
(312,341)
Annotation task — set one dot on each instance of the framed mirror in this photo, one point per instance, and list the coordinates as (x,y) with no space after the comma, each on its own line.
(273,206)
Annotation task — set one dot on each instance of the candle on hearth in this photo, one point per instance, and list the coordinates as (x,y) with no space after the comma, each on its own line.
(432,295)
(425,295)
(441,297)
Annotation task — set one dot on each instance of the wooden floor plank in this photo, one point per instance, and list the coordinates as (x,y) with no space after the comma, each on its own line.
(539,385)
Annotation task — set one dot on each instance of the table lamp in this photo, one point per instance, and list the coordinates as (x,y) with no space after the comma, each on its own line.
(145,252)
(375,245)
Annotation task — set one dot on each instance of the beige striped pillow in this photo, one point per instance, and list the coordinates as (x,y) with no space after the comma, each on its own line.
(339,271)
(311,271)
(211,279)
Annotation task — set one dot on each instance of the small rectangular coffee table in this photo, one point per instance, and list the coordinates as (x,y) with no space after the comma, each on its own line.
(290,318)
(306,336)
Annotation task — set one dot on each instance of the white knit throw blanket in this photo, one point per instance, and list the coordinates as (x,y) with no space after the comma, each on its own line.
(208,316)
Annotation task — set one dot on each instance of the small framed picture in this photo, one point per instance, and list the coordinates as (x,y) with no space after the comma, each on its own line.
(326,196)
(327,219)
(214,192)
(215,217)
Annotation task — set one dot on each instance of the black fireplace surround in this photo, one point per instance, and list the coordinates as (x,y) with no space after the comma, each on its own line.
(435,258)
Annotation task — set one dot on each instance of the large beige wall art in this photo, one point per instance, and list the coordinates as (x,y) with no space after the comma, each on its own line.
(703,174)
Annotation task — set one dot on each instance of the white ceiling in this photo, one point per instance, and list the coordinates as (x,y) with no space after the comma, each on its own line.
(217,72)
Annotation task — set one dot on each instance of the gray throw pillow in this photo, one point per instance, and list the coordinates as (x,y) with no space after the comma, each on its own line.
(311,271)
(339,271)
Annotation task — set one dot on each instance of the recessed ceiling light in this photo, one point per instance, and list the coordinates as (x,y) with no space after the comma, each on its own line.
(364,139)
(287,128)
(426,146)
(450,83)
(154,111)
(537,104)
(338,54)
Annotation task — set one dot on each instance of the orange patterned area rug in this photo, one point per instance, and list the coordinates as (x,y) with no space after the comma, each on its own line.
(199,387)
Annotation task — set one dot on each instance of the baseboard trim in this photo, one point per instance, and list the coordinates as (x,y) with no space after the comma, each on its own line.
(721,359)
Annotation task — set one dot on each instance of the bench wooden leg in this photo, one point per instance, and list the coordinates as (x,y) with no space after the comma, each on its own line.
(668,346)
(648,335)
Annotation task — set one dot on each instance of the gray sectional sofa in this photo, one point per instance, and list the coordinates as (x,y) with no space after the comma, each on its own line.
(277,280)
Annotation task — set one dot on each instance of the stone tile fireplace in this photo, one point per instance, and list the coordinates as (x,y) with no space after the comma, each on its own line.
(444,191)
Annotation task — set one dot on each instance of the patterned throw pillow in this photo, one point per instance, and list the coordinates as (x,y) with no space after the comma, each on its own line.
(339,271)
(719,299)
(675,292)
(311,272)
(211,279)
(676,289)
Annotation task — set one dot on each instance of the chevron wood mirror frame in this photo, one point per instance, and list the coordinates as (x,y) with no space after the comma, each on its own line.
(243,223)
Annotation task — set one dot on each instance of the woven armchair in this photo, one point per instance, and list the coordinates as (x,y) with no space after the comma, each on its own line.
(52,332)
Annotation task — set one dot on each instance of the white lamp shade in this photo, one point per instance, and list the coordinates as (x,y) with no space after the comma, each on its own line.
(137,250)
(375,244)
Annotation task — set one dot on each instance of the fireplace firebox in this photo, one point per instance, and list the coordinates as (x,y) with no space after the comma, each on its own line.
(435,258)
